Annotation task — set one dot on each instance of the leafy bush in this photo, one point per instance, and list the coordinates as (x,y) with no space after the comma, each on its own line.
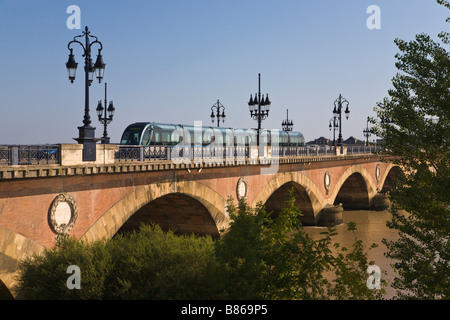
(257,258)
(264,258)
(145,264)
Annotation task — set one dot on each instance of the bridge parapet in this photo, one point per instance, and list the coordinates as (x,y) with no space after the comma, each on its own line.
(66,159)
(29,154)
(197,154)
(72,154)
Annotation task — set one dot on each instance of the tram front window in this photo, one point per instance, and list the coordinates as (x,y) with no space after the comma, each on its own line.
(130,137)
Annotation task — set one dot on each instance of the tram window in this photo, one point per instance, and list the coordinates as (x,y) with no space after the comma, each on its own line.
(146,137)
(227,136)
(156,138)
(175,138)
(284,140)
(130,138)
(160,137)
(166,137)
(264,139)
(293,140)
(125,137)
(198,139)
(227,140)
(207,136)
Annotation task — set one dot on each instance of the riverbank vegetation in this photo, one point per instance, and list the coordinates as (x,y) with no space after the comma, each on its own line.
(257,258)
(414,122)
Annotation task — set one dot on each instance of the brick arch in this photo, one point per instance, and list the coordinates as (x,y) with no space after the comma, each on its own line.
(357,173)
(298,180)
(13,249)
(111,221)
(387,174)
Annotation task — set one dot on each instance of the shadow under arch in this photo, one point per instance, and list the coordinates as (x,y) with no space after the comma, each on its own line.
(354,189)
(13,249)
(178,212)
(302,201)
(113,219)
(308,197)
(391,176)
(5,294)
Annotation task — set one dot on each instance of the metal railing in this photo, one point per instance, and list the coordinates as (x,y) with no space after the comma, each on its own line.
(306,151)
(51,154)
(363,149)
(142,153)
(179,153)
(29,154)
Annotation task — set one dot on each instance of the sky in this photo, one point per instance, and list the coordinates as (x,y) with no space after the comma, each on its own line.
(170,61)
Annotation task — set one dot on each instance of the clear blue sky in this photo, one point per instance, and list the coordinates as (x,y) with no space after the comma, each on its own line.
(169,61)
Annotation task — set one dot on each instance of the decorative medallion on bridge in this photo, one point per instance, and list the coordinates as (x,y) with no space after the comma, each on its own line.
(327,181)
(62,215)
(378,173)
(241,188)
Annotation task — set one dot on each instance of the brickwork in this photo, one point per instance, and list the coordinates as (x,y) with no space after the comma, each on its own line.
(107,196)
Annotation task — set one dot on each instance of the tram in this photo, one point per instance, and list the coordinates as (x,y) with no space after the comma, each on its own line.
(162,134)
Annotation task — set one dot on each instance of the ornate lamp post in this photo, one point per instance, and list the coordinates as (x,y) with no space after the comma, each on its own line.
(259,108)
(105,120)
(334,125)
(218,106)
(366,132)
(86,132)
(337,112)
(287,124)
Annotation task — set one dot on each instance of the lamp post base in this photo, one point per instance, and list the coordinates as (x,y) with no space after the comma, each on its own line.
(105,140)
(87,138)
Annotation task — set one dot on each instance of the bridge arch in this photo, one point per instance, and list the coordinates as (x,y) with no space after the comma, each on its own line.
(158,192)
(175,211)
(354,189)
(390,176)
(308,197)
(13,249)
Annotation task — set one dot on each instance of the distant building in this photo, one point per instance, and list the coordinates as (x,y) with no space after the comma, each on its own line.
(354,142)
(322,141)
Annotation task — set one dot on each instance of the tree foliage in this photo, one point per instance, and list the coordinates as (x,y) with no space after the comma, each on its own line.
(414,123)
(145,264)
(259,257)
(279,260)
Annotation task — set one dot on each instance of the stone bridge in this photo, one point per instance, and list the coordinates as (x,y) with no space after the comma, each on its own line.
(91,201)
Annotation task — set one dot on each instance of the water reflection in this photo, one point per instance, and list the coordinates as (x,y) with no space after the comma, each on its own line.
(371,228)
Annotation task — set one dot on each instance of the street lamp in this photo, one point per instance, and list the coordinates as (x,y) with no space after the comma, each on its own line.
(218,106)
(366,132)
(259,108)
(105,120)
(86,132)
(334,125)
(337,112)
(287,124)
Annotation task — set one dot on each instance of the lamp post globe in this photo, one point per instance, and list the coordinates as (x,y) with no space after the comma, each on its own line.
(105,116)
(86,133)
(339,104)
(259,108)
(218,107)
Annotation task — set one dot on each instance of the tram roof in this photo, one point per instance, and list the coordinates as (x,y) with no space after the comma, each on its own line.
(172,126)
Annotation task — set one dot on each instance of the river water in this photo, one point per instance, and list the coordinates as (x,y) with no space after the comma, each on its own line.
(371,228)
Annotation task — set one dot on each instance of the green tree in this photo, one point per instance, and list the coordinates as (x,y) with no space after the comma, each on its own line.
(414,123)
(259,257)
(264,258)
(150,263)
(45,276)
(144,264)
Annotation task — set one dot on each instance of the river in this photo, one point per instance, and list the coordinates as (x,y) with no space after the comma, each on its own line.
(371,228)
